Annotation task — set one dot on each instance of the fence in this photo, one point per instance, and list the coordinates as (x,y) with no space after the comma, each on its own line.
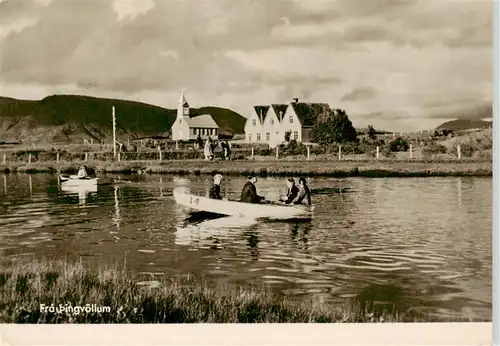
(252,153)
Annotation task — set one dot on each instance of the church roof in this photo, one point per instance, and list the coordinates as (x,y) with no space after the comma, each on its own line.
(182,100)
(201,121)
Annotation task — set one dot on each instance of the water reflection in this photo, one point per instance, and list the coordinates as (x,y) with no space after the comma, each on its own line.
(4,185)
(81,191)
(117,215)
(459,192)
(31,185)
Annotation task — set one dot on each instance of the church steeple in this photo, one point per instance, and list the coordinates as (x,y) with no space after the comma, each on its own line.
(182,106)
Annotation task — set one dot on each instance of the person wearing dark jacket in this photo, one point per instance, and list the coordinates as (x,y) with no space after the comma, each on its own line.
(304,194)
(215,189)
(291,193)
(249,192)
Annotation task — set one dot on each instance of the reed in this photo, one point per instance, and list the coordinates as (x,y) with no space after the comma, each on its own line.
(24,287)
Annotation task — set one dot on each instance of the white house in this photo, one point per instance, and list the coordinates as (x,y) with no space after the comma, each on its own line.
(187,127)
(269,124)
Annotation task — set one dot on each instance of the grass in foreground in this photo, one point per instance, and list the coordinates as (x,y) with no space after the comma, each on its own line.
(176,300)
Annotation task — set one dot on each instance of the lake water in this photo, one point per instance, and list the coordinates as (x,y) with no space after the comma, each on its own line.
(425,242)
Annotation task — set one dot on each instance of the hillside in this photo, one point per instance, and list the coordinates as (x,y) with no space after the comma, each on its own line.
(470,118)
(70,118)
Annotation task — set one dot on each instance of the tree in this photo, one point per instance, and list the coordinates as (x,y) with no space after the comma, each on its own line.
(335,128)
(371,132)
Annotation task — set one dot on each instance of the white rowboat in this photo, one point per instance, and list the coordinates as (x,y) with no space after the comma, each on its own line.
(236,208)
(73,180)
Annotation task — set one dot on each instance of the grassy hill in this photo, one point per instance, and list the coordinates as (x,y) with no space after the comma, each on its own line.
(69,118)
(470,118)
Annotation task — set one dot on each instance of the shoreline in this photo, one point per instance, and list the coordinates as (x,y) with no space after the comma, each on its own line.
(263,168)
(25,287)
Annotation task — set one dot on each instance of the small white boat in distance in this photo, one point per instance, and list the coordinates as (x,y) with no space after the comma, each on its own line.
(75,181)
(236,208)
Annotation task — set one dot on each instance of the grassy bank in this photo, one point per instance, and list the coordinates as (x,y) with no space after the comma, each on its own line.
(331,168)
(24,287)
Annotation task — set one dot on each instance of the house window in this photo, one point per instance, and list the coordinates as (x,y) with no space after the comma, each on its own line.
(249,137)
(296,135)
(258,136)
(268,135)
(254,122)
(272,121)
(291,119)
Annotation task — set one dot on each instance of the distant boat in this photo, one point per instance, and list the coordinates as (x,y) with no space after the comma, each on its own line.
(241,209)
(74,180)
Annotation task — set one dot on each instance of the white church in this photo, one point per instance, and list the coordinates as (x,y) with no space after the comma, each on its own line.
(187,127)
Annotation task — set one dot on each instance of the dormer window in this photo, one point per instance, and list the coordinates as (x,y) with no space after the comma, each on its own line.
(254,122)
(291,119)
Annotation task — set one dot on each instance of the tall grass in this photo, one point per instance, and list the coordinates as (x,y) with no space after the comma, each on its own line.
(24,287)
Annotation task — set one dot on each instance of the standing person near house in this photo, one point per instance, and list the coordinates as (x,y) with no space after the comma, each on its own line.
(291,193)
(215,189)
(224,150)
(208,151)
(249,192)
(228,150)
(304,194)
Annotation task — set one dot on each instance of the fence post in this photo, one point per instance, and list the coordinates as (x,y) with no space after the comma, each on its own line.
(159,152)
(86,157)
(252,154)
(176,145)
(308,153)
(57,157)
(4,158)
(378,152)
(411,151)
(340,152)
(277,152)
(459,152)
(119,156)
(29,158)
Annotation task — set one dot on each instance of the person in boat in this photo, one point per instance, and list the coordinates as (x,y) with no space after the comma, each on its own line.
(249,192)
(292,192)
(304,194)
(82,173)
(215,189)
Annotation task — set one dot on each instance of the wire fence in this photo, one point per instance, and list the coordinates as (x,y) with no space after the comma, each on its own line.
(303,152)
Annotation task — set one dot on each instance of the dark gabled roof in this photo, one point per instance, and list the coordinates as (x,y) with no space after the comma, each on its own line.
(261,112)
(280,108)
(308,113)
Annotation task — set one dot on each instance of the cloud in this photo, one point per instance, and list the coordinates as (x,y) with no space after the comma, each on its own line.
(127,9)
(360,93)
(420,56)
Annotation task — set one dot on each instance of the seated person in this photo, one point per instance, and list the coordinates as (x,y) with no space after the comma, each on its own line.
(304,194)
(291,193)
(82,173)
(249,192)
(215,189)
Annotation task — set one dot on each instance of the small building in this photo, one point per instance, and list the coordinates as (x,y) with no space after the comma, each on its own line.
(270,123)
(187,127)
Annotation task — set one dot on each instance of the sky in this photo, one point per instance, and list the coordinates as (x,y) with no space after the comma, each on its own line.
(396,65)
